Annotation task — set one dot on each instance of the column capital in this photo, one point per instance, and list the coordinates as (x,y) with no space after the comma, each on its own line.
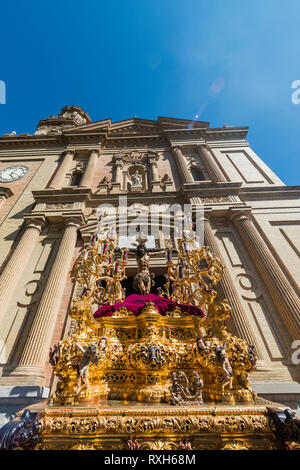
(95,151)
(35,222)
(236,214)
(176,147)
(153,162)
(74,220)
(203,145)
(69,152)
(206,215)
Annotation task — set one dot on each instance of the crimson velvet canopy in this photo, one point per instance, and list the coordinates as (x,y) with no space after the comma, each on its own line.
(136,302)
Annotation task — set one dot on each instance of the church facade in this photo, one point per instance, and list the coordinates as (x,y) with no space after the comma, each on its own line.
(54,184)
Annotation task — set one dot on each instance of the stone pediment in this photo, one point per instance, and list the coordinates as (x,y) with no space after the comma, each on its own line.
(134,128)
(130,127)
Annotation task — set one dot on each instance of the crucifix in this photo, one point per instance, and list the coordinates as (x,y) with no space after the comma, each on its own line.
(143,280)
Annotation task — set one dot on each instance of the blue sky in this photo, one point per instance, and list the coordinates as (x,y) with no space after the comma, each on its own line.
(228,62)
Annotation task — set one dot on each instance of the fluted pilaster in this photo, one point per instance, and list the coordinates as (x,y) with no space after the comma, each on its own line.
(36,349)
(238,314)
(90,170)
(284,297)
(63,169)
(213,170)
(185,173)
(17,263)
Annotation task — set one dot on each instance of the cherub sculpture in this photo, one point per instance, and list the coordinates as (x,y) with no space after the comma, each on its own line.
(91,354)
(226,367)
(54,355)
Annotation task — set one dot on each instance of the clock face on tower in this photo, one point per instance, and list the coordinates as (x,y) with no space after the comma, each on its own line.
(13,173)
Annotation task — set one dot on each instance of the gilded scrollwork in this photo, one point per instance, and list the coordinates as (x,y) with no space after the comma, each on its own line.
(172,358)
(238,427)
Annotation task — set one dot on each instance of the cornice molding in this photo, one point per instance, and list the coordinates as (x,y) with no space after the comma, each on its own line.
(202,186)
(270,192)
(163,128)
(169,197)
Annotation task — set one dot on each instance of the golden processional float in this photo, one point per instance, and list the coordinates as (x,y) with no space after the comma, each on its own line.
(152,371)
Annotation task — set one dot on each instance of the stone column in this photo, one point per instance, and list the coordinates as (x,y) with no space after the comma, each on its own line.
(17,263)
(214,171)
(185,173)
(154,171)
(118,172)
(36,349)
(90,170)
(155,184)
(117,178)
(284,297)
(65,166)
(238,314)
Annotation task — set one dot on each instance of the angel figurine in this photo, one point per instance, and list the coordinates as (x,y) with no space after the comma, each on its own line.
(91,354)
(226,367)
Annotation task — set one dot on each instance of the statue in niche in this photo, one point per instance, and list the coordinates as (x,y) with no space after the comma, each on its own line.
(136,180)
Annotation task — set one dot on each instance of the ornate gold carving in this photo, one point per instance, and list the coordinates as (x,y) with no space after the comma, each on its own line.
(195,274)
(145,352)
(87,428)
(175,358)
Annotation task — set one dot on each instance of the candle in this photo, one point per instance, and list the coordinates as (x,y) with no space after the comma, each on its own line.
(125,255)
(116,267)
(168,255)
(105,248)
(110,260)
